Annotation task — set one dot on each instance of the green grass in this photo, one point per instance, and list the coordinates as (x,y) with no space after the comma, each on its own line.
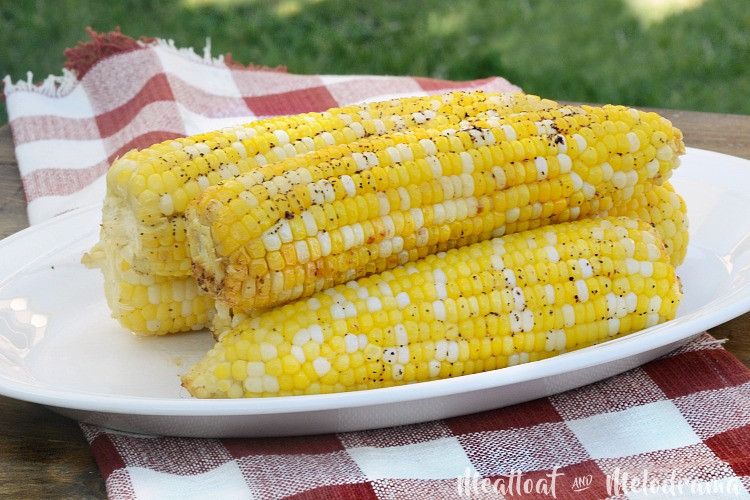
(598,51)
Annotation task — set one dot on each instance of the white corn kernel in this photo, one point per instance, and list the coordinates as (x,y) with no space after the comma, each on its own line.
(298,353)
(439,310)
(441,349)
(268,351)
(634,144)
(316,333)
(569,317)
(321,366)
(452,351)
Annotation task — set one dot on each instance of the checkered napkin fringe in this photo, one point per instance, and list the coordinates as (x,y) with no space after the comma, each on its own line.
(679,425)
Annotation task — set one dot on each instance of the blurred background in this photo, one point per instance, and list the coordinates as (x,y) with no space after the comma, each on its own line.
(682,54)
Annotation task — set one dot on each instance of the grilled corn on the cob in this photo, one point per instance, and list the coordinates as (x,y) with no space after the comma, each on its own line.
(501,302)
(298,226)
(660,207)
(147,192)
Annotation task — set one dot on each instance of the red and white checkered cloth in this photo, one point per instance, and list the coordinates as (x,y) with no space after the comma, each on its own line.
(681,422)
(679,425)
(122,94)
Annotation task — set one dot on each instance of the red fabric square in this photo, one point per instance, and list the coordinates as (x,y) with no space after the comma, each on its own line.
(60,181)
(52,127)
(155,89)
(279,476)
(307,445)
(106,455)
(732,446)
(359,491)
(697,371)
(517,416)
(540,447)
(360,89)
(293,102)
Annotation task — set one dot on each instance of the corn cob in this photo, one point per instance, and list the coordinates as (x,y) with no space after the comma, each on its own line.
(661,207)
(292,228)
(147,192)
(150,304)
(664,209)
(505,301)
(153,251)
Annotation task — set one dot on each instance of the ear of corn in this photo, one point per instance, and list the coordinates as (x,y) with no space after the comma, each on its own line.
(509,300)
(148,191)
(664,209)
(660,207)
(304,224)
(148,304)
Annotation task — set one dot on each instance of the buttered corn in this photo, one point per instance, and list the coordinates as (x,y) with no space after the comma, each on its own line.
(501,302)
(298,226)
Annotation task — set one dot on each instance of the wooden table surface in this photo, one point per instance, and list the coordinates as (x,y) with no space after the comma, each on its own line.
(45,455)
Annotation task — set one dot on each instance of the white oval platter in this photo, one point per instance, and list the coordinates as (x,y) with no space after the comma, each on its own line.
(60,348)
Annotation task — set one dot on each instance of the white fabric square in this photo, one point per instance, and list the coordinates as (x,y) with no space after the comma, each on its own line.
(642,429)
(438,459)
(80,154)
(201,73)
(225,481)
(76,104)
(45,207)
